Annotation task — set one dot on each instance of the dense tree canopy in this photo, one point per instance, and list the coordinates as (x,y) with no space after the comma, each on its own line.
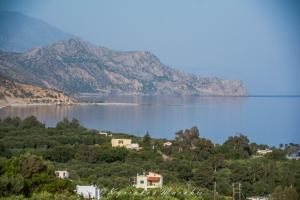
(30,152)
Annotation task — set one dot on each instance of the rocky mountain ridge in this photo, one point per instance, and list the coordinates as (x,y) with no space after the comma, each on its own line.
(75,66)
(17,93)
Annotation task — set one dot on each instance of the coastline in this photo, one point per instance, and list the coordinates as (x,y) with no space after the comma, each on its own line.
(67,104)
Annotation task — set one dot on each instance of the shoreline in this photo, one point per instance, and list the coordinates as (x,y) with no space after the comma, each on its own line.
(66,104)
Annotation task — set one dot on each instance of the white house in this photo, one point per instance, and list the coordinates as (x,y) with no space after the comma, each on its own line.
(62,174)
(150,180)
(127,143)
(257,198)
(134,146)
(167,144)
(120,142)
(264,151)
(104,133)
(88,191)
(294,155)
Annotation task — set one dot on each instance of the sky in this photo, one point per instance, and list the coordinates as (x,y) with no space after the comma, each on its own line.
(252,40)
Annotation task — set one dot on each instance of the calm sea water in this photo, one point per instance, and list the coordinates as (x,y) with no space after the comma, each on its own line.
(268,120)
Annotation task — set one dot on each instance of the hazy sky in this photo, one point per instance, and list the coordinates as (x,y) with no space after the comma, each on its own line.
(257,41)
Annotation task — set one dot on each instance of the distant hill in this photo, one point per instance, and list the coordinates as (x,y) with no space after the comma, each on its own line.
(75,66)
(19,32)
(16,93)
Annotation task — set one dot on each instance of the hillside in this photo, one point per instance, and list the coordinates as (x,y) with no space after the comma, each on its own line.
(75,66)
(16,93)
(19,32)
(196,164)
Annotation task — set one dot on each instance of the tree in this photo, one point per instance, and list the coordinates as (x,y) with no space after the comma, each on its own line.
(204,175)
(31,122)
(187,137)
(5,152)
(31,164)
(61,153)
(14,121)
(260,188)
(276,154)
(182,168)
(147,140)
(204,149)
(287,193)
(237,147)
(88,153)
(63,124)
(74,124)
(224,185)
(217,161)
(113,154)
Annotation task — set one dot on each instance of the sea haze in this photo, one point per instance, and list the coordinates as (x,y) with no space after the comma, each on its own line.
(268,120)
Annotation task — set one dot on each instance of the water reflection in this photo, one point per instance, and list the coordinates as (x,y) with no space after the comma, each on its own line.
(264,120)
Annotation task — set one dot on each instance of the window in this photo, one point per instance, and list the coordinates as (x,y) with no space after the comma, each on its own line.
(120,141)
(142,182)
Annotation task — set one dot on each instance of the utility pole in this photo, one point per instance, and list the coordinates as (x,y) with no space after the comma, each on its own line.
(233,192)
(215,190)
(236,190)
(240,193)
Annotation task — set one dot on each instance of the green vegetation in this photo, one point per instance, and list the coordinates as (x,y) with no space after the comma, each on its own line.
(31,152)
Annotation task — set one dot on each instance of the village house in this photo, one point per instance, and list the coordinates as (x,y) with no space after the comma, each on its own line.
(125,143)
(257,198)
(62,174)
(167,144)
(88,191)
(294,155)
(104,133)
(134,146)
(120,142)
(147,181)
(263,151)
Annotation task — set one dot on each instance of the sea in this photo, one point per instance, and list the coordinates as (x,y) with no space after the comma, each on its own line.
(271,120)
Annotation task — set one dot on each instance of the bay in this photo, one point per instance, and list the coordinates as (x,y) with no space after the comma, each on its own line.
(265,120)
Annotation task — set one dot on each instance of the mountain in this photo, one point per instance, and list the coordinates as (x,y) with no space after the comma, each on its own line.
(15,93)
(19,32)
(75,66)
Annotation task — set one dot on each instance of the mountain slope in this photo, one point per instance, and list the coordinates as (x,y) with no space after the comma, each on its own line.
(19,32)
(75,66)
(16,93)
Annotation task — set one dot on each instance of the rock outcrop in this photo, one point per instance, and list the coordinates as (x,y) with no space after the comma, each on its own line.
(16,93)
(75,66)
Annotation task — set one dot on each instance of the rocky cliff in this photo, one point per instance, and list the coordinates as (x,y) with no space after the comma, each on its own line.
(75,66)
(16,93)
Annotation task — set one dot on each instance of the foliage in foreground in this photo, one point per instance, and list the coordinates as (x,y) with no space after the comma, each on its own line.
(31,152)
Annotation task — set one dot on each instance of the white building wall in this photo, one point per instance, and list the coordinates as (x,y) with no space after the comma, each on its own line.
(62,174)
(88,192)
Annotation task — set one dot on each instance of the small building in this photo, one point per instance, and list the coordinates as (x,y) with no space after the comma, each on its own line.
(120,142)
(150,180)
(125,143)
(264,151)
(295,155)
(257,198)
(167,144)
(104,133)
(62,174)
(134,146)
(88,191)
